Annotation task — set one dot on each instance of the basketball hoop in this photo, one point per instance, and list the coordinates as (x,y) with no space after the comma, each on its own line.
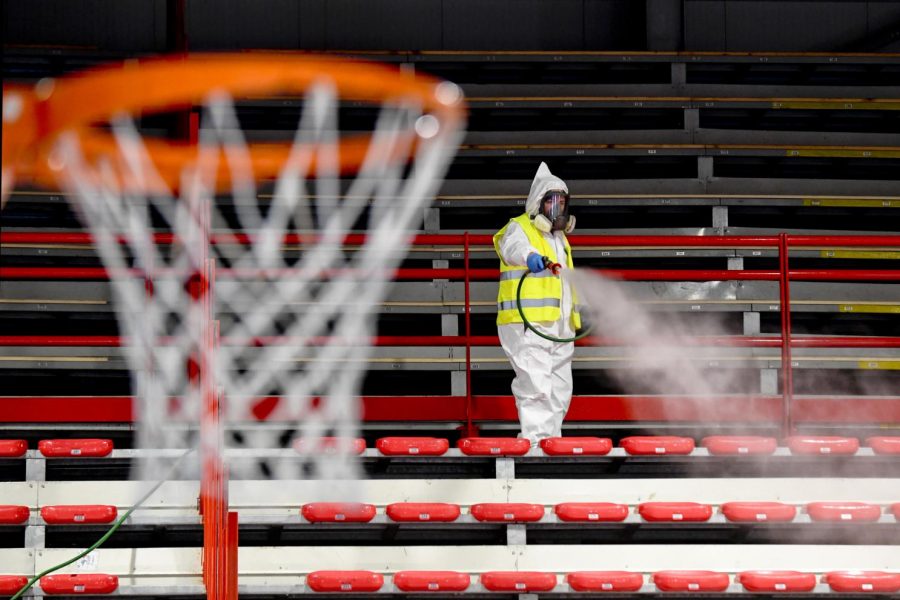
(222,281)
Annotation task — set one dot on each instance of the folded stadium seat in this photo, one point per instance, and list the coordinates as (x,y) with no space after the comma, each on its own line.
(884,444)
(657,444)
(507,511)
(82,447)
(338,512)
(345,581)
(675,511)
(403,446)
(691,581)
(10,584)
(13,448)
(739,444)
(432,581)
(843,511)
(895,510)
(494,446)
(67,514)
(605,581)
(863,581)
(80,583)
(422,511)
(822,444)
(325,445)
(12,514)
(518,581)
(582,446)
(591,511)
(776,581)
(755,512)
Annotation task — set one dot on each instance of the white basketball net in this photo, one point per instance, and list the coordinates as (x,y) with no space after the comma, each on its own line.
(312,311)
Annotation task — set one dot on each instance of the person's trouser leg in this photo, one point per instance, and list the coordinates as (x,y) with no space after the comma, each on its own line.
(561,384)
(530,356)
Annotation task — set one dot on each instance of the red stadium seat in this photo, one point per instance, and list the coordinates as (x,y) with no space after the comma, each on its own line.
(739,444)
(422,511)
(67,514)
(675,511)
(345,581)
(13,448)
(81,448)
(10,584)
(11,514)
(843,511)
(691,581)
(605,581)
(578,446)
(895,510)
(657,444)
(863,581)
(822,444)
(591,511)
(883,444)
(326,445)
(432,581)
(494,446)
(404,446)
(338,512)
(80,583)
(776,581)
(748,512)
(507,511)
(518,581)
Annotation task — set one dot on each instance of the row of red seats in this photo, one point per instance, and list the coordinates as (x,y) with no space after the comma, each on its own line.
(559,446)
(523,581)
(603,581)
(506,512)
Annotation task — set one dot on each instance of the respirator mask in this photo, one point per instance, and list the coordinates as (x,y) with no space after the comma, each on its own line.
(553,213)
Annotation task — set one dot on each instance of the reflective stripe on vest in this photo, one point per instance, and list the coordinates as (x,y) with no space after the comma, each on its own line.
(527,304)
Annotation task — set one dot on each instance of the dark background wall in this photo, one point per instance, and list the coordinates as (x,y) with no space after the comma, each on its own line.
(692,25)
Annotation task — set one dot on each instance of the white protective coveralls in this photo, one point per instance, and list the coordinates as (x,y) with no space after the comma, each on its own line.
(543,383)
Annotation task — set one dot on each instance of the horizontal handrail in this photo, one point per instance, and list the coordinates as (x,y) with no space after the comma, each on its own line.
(762,409)
(101,273)
(736,341)
(434,239)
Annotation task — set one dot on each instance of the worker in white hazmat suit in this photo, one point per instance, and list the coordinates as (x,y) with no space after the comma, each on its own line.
(535,241)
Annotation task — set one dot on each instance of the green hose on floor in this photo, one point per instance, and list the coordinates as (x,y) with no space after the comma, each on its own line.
(105,536)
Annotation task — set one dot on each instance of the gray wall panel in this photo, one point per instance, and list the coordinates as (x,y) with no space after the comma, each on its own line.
(384,25)
(793,26)
(120,25)
(513,25)
(704,25)
(884,25)
(614,25)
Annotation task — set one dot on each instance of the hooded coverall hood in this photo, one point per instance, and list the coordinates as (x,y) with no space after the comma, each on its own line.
(544,181)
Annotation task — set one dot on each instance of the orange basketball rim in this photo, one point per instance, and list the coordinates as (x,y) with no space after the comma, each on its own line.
(34,118)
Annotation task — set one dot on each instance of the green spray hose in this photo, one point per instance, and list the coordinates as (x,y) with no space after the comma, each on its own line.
(528,325)
(105,536)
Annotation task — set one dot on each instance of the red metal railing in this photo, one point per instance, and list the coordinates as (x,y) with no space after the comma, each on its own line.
(472,410)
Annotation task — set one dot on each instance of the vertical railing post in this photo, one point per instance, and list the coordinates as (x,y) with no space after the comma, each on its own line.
(787,372)
(470,430)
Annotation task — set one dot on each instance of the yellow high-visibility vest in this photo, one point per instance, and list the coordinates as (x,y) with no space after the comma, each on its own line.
(541,292)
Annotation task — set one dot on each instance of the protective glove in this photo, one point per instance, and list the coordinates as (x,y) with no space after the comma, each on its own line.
(536,262)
